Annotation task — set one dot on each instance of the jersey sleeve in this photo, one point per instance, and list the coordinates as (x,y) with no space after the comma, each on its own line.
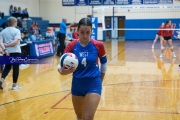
(102,54)
(101,51)
(70,46)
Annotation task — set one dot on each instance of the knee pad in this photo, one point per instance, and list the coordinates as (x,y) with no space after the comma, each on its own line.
(162,47)
(171,47)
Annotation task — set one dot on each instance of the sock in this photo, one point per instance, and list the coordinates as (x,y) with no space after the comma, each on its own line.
(2,80)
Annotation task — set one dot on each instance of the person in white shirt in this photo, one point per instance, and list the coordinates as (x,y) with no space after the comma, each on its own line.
(10,43)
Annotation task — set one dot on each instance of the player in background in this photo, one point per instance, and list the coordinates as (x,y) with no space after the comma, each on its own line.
(178,35)
(158,35)
(87,78)
(167,32)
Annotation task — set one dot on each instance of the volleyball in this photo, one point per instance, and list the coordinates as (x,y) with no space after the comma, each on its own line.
(69,60)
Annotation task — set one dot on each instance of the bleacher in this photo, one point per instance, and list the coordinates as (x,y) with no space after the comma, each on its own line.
(43,24)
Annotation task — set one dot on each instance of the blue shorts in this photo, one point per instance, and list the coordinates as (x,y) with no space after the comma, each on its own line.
(81,87)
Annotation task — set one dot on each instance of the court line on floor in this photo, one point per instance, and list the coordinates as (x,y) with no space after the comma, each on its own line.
(60,100)
(31,97)
(154,112)
(47,93)
(137,82)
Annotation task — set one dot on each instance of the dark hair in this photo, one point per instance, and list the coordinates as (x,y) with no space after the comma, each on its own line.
(167,22)
(85,21)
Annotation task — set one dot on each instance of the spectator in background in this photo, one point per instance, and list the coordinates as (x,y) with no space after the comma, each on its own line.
(19,24)
(37,28)
(1,14)
(26,47)
(32,27)
(4,25)
(75,34)
(15,12)
(33,36)
(11,10)
(25,13)
(10,43)
(25,37)
(19,12)
(62,35)
(69,35)
(50,33)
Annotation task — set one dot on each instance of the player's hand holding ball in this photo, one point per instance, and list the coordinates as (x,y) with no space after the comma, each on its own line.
(68,63)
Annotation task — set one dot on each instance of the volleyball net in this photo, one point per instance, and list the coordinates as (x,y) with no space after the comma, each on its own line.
(137,20)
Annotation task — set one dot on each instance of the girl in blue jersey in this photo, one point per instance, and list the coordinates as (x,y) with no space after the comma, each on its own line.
(87,78)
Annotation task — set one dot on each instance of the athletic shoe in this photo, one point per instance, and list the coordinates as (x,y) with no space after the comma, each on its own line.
(161,56)
(152,47)
(173,55)
(1,85)
(16,87)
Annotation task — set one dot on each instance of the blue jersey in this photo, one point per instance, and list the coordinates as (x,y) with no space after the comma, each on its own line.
(63,27)
(88,58)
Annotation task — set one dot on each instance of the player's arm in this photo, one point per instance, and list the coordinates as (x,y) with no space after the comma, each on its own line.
(103,61)
(63,70)
(103,66)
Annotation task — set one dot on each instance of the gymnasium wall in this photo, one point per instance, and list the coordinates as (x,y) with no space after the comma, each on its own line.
(53,10)
(136,16)
(149,26)
(32,5)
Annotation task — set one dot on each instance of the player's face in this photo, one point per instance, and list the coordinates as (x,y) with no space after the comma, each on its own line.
(84,33)
(169,23)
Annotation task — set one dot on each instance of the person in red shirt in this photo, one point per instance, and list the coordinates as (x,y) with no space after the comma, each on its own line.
(167,32)
(75,34)
(32,27)
(158,35)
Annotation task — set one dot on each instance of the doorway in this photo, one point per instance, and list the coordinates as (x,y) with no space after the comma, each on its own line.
(113,24)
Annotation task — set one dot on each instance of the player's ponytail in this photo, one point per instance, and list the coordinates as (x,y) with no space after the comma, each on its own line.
(167,22)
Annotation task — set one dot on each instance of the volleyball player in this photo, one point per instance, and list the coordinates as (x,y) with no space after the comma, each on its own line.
(167,32)
(178,35)
(87,78)
(158,35)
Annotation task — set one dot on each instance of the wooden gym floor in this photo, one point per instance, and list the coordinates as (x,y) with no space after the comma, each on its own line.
(137,86)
